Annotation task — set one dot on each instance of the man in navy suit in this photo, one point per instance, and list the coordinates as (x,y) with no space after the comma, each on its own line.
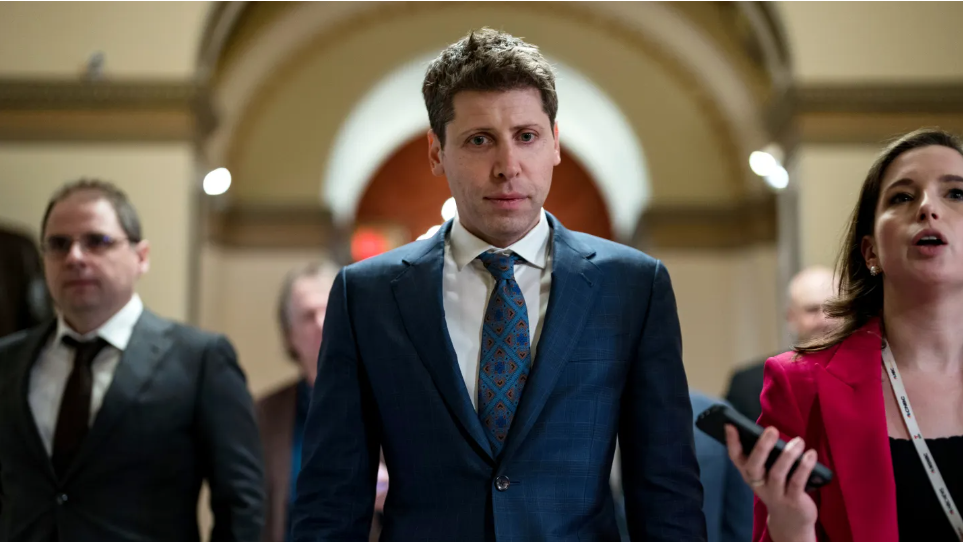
(496,362)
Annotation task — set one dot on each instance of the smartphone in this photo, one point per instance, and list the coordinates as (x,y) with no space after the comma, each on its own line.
(713,423)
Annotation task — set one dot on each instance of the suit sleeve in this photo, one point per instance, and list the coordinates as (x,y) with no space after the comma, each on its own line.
(660,475)
(779,409)
(339,466)
(231,445)
(737,507)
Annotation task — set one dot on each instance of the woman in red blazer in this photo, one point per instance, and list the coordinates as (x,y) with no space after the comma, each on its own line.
(892,369)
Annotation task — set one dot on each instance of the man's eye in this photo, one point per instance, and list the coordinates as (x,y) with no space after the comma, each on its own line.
(96,241)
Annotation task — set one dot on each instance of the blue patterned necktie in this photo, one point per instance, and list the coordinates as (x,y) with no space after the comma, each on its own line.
(505,350)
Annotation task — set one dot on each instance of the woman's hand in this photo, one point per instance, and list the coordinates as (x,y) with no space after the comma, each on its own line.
(792,512)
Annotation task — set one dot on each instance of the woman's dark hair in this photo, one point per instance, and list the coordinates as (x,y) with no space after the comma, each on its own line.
(860,295)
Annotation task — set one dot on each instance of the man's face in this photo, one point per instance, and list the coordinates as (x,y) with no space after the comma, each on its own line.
(499,153)
(309,302)
(90,266)
(807,294)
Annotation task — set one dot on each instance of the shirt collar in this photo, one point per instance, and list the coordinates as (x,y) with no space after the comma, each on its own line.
(533,248)
(116,331)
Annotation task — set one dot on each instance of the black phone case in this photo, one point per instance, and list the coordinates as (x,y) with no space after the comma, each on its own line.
(713,422)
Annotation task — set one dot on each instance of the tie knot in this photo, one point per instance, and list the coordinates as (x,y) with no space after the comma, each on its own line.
(85,351)
(501,266)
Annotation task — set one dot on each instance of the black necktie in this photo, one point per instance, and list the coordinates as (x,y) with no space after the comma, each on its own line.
(74,418)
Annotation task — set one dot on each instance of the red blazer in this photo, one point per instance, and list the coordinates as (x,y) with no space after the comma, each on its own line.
(834,400)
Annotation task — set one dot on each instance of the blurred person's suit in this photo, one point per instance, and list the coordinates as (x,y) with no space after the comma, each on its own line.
(278,416)
(177,412)
(281,416)
(24,302)
(745,388)
(808,291)
(728,499)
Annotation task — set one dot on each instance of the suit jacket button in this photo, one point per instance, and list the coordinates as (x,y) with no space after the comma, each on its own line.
(62,498)
(502,483)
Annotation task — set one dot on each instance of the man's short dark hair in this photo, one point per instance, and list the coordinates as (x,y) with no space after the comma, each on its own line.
(485,60)
(126,214)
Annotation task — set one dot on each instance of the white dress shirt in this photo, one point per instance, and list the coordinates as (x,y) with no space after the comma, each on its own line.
(467,285)
(49,374)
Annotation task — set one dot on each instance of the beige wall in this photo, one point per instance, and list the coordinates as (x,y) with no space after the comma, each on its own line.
(727,309)
(873,41)
(829,179)
(157,178)
(238,297)
(157,39)
(279,152)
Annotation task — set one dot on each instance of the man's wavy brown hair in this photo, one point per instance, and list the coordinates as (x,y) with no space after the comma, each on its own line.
(485,60)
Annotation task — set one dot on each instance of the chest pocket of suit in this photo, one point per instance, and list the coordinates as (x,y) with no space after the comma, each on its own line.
(597,345)
(596,366)
(161,418)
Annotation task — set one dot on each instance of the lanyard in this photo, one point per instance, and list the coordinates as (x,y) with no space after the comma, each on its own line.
(932,471)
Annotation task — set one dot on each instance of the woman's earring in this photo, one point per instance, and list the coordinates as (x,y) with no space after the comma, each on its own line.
(873,270)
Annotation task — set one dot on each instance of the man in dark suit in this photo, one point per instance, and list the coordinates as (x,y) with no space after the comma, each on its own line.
(24,302)
(497,361)
(808,291)
(111,417)
(281,414)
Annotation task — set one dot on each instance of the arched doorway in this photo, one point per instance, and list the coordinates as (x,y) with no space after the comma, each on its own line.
(294,77)
(404,195)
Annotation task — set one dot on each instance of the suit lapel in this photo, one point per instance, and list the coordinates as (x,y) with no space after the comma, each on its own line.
(418,293)
(148,343)
(573,289)
(29,353)
(850,388)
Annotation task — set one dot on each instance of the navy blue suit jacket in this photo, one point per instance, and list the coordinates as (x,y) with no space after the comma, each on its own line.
(609,362)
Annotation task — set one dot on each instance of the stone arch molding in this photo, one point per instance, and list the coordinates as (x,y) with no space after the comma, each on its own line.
(689,47)
(591,127)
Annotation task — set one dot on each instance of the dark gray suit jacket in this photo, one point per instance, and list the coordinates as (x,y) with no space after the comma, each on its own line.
(177,412)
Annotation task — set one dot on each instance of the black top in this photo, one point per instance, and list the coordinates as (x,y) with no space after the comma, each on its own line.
(919,512)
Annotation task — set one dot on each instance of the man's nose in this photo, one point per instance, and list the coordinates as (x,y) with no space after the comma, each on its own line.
(507,165)
(75,253)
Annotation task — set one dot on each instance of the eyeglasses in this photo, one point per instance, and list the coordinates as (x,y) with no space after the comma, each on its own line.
(90,243)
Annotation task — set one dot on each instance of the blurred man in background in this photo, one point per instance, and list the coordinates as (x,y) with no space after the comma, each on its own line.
(111,417)
(808,291)
(281,415)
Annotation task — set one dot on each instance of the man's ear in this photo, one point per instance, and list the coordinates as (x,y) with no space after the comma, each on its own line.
(558,148)
(434,154)
(142,249)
